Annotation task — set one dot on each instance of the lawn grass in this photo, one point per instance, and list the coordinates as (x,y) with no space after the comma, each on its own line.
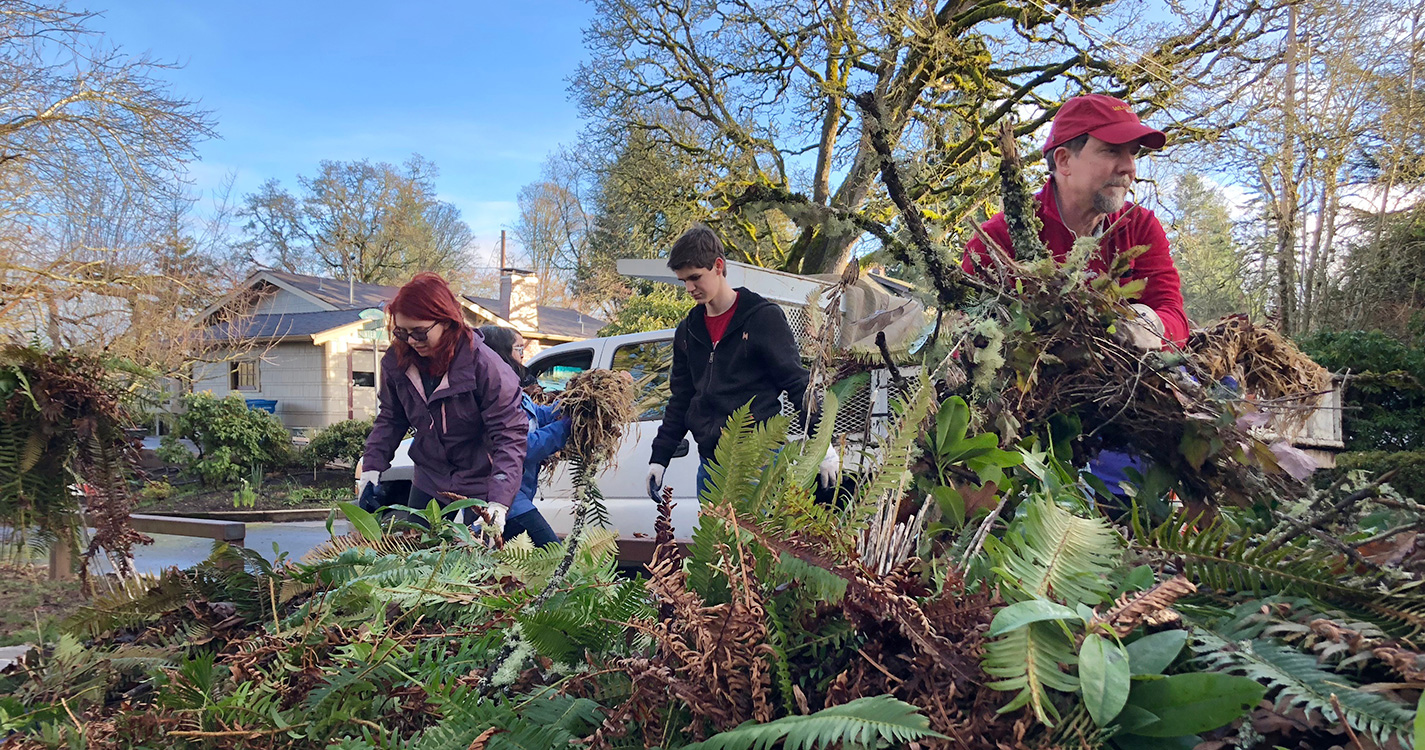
(29,600)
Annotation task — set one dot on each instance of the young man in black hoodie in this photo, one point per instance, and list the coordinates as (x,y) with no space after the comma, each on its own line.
(734,346)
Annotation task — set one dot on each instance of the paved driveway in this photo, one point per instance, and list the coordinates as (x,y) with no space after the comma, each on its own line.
(296,538)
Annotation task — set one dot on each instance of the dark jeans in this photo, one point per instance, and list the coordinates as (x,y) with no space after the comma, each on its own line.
(533,523)
(704,476)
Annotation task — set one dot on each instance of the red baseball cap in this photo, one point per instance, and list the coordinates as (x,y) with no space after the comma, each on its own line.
(1108,119)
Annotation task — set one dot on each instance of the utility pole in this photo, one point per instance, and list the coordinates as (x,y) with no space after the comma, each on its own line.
(502,251)
(1287,197)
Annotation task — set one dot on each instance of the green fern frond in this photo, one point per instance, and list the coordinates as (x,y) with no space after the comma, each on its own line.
(143,659)
(1027,659)
(1052,553)
(821,584)
(578,716)
(522,560)
(533,566)
(137,600)
(354,743)
(807,462)
(896,453)
(593,497)
(357,681)
(777,641)
(31,454)
(584,618)
(864,722)
(1296,679)
(468,715)
(1215,558)
(388,544)
(736,448)
(742,453)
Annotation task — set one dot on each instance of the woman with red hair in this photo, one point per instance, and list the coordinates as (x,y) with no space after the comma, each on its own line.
(461,399)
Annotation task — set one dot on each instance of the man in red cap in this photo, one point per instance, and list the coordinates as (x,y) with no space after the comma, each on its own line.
(1091,150)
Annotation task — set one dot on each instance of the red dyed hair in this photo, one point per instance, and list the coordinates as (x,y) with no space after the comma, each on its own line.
(428,297)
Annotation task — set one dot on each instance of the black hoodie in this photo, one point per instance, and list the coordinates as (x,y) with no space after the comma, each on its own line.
(757,359)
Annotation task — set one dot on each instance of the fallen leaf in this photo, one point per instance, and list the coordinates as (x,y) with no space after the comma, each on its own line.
(1293,460)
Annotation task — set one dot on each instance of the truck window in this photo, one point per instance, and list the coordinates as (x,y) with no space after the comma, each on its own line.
(553,372)
(649,363)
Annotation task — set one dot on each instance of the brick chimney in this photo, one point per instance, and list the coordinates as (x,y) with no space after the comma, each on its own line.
(519,298)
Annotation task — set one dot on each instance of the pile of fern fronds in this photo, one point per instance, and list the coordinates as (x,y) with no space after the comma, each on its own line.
(1004,611)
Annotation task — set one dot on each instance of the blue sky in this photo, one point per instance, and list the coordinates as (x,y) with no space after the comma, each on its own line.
(478,88)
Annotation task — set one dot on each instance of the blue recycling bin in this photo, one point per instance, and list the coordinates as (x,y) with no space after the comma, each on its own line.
(264,404)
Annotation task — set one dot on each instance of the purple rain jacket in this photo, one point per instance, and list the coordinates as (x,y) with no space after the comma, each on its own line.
(470,435)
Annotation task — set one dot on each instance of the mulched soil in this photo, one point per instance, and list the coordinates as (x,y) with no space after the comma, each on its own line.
(276,493)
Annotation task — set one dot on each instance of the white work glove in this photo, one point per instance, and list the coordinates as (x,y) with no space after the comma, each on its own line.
(497,514)
(367,478)
(655,481)
(1143,331)
(830,469)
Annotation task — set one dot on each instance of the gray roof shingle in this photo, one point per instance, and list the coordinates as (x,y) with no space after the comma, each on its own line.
(282,325)
(560,321)
(334,291)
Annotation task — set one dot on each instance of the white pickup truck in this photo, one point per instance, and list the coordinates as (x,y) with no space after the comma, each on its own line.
(623,483)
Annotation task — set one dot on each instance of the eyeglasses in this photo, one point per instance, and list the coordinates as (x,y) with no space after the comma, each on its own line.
(415,334)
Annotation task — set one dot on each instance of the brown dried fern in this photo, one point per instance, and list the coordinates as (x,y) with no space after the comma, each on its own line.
(1152,607)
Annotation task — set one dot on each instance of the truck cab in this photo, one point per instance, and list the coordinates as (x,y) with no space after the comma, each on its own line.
(647,357)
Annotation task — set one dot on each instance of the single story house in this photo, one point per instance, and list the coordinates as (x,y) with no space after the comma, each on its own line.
(309,347)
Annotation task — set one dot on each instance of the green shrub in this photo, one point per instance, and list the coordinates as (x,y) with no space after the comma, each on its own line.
(1384,402)
(1409,481)
(156,490)
(652,308)
(343,441)
(233,441)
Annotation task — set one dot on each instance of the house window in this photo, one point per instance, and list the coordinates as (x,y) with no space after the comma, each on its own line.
(242,375)
(362,379)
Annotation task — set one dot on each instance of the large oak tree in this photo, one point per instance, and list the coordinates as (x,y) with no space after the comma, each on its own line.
(762,94)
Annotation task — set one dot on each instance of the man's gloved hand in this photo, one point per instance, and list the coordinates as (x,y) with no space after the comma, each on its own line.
(830,470)
(655,481)
(1142,331)
(368,478)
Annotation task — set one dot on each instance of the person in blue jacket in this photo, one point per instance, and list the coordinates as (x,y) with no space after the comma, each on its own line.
(548,432)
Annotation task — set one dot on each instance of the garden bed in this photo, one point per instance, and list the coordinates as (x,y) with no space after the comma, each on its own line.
(279,491)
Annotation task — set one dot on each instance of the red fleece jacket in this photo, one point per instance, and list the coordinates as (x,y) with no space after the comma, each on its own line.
(1163,292)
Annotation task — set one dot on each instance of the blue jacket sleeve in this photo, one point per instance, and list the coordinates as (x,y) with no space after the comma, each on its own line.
(547,439)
